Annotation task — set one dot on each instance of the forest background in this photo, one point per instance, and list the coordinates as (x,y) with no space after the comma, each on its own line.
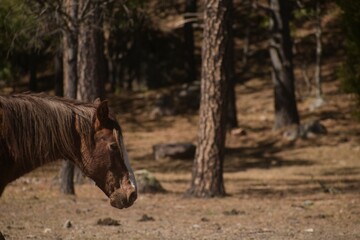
(146,57)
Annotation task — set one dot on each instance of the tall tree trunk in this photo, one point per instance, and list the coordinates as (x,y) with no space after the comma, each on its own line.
(90,54)
(32,72)
(232,121)
(207,175)
(58,75)
(286,112)
(67,178)
(318,34)
(247,5)
(190,9)
(70,48)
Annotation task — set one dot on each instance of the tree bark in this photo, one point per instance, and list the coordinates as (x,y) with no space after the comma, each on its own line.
(58,75)
(190,8)
(232,121)
(67,178)
(32,72)
(318,34)
(70,48)
(90,54)
(207,175)
(286,112)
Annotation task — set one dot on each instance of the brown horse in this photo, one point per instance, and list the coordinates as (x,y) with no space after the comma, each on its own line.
(36,129)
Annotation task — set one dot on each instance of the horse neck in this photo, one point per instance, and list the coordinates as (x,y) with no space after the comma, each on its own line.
(59,135)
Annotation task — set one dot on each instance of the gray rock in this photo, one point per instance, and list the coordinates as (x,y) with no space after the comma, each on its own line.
(314,126)
(177,101)
(174,150)
(147,183)
(309,129)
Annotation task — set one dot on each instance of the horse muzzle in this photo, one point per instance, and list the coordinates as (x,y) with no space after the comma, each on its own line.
(123,198)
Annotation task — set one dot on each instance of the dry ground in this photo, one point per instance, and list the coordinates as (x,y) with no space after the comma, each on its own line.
(308,189)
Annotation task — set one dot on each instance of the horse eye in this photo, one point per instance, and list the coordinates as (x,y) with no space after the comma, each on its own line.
(113,146)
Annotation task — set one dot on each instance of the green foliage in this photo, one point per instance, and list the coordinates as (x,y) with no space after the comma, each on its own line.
(15,39)
(350,71)
(17,24)
(22,32)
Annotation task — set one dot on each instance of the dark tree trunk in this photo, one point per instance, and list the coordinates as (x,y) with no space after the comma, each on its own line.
(318,34)
(247,5)
(190,9)
(58,76)
(286,112)
(32,72)
(66,177)
(90,54)
(231,113)
(207,175)
(70,47)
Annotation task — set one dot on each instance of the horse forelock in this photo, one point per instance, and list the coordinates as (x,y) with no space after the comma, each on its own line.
(38,128)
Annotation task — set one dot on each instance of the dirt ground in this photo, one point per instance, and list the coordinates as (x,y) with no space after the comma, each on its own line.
(277,189)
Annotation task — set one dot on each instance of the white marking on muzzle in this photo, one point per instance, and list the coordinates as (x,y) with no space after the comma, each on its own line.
(126,160)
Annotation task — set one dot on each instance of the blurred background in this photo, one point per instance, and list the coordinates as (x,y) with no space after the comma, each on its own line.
(288,174)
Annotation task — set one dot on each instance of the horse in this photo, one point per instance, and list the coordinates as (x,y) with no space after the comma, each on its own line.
(36,129)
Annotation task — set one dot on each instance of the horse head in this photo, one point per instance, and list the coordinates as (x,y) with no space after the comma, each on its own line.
(107,163)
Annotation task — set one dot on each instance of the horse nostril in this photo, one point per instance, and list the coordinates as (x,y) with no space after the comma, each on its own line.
(132,197)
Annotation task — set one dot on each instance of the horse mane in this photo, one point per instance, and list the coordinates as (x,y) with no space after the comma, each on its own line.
(38,128)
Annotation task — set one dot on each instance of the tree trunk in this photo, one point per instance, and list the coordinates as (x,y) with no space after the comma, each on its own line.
(318,34)
(247,5)
(70,48)
(231,113)
(90,54)
(207,175)
(286,112)
(58,75)
(32,72)
(190,8)
(66,178)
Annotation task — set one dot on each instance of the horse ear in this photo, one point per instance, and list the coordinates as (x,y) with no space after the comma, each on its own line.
(102,113)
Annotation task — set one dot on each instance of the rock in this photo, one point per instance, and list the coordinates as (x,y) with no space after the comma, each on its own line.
(147,183)
(204,219)
(67,224)
(238,132)
(47,230)
(158,112)
(179,100)
(233,212)
(317,103)
(108,222)
(196,226)
(309,129)
(164,106)
(307,203)
(313,126)
(174,150)
(146,218)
